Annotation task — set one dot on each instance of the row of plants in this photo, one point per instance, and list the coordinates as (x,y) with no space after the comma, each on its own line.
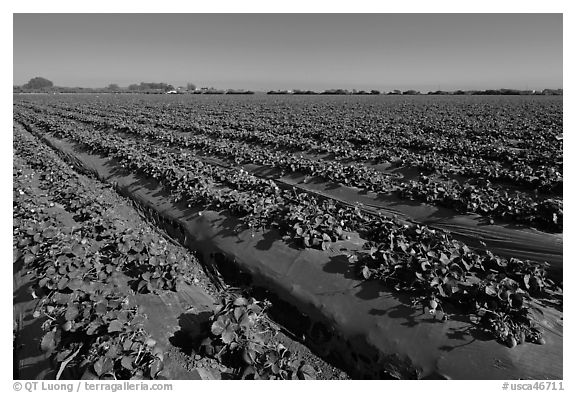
(171,168)
(242,337)
(483,198)
(410,141)
(90,325)
(425,154)
(305,218)
(478,125)
(259,202)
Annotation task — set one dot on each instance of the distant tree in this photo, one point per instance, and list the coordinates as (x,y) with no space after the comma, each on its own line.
(190,86)
(553,92)
(336,91)
(374,92)
(113,87)
(38,83)
(154,86)
(411,92)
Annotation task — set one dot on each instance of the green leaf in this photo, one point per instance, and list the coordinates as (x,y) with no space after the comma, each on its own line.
(127,345)
(78,250)
(247,321)
(103,365)
(63,283)
(142,285)
(101,307)
(75,284)
(49,233)
(138,375)
(218,327)
(50,341)
(28,258)
(249,356)
(228,335)
(61,298)
(127,362)
(527,281)
(43,282)
(306,372)
(115,326)
(238,313)
(67,326)
(366,272)
(93,326)
(490,290)
(240,301)
(123,316)
(71,313)
(113,351)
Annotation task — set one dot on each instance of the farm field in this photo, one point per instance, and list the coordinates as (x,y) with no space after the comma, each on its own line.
(111,292)
(367,236)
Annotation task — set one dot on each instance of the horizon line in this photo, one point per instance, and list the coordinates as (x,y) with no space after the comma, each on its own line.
(302,89)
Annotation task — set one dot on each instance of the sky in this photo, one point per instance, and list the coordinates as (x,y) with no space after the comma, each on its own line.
(292,51)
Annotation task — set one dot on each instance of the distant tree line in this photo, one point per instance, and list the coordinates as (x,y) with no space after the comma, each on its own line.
(42,85)
(325,92)
(500,92)
(416,92)
(231,91)
(151,87)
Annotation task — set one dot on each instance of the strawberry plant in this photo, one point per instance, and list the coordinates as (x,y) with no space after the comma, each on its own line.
(242,337)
